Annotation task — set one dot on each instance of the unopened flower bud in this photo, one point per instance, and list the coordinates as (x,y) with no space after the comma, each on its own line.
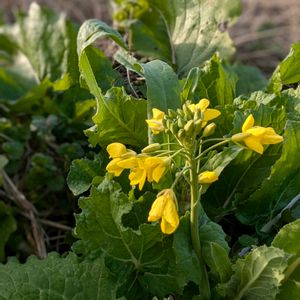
(172,113)
(209,130)
(151,148)
(180,123)
(198,126)
(189,127)
(239,137)
(181,134)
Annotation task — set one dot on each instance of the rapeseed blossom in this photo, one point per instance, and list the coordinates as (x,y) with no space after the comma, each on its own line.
(208,177)
(255,137)
(164,208)
(156,123)
(208,113)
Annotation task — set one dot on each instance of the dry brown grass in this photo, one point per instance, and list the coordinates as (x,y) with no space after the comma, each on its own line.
(263,34)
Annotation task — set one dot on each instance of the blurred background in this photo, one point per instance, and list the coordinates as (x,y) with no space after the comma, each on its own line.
(262,35)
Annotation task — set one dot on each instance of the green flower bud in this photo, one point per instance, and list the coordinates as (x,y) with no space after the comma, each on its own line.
(209,129)
(239,137)
(180,123)
(151,148)
(172,113)
(181,134)
(198,126)
(189,127)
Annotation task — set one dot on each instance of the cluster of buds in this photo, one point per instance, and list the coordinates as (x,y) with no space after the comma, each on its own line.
(190,121)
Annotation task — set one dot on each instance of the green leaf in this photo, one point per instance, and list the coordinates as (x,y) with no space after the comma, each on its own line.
(49,43)
(13,149)
(163,89)
(119,117)
(190,31)
(290,288)
(250,79)
(56,278)
(287,72)
(287,238)
(215,83)
(281,186)
(218,261)
(82,173)
(257,276)
(100,228)
(7,227)
(186,257)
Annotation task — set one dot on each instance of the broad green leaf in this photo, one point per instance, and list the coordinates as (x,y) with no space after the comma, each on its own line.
(257,276)
(290,289)
(185,255)
(215,83)
(100,228)
(287,73)
(82,173)
(163,89)
(218,261)
(13,149)
(190,84)
(119,118)
(212,232)
(49,43)
(246,173)
(105,75)
(56,278)
(190,31)
(91,30)
(250,79)
(287,238)
(7,226)
(282,184)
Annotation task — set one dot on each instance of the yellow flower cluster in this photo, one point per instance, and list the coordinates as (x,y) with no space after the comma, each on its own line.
(256,136)
(142,167)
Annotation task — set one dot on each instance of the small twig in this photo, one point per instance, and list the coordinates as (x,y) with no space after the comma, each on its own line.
(55,225)
(30,210)
(267,227)
(130,84)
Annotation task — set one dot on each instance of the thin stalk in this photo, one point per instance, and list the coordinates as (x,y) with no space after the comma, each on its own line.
(194,223)
(213,147)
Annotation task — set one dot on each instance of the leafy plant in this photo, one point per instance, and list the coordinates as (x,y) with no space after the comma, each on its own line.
(185,164)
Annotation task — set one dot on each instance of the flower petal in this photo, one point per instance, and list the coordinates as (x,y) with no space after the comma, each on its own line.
(203,104)
(208,177)
(157,209)
(129,163)
(249,122)
(116,149)
(254,144)
(157,114)
(211,114)
(114,168)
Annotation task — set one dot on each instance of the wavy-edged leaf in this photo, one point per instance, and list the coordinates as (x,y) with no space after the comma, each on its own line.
(257,276)
(57,278)
(127,251)
(163,89)
(190,31)
(119,117)
(287,72)
(282,184)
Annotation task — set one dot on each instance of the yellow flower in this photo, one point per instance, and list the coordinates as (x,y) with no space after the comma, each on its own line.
(156,167)
(156,123)
(138,172)
(118,152)
(257,136)
(208,113)
(164,208)
(208,177)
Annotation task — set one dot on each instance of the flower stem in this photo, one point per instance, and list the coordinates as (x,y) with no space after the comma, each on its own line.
(194,223)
